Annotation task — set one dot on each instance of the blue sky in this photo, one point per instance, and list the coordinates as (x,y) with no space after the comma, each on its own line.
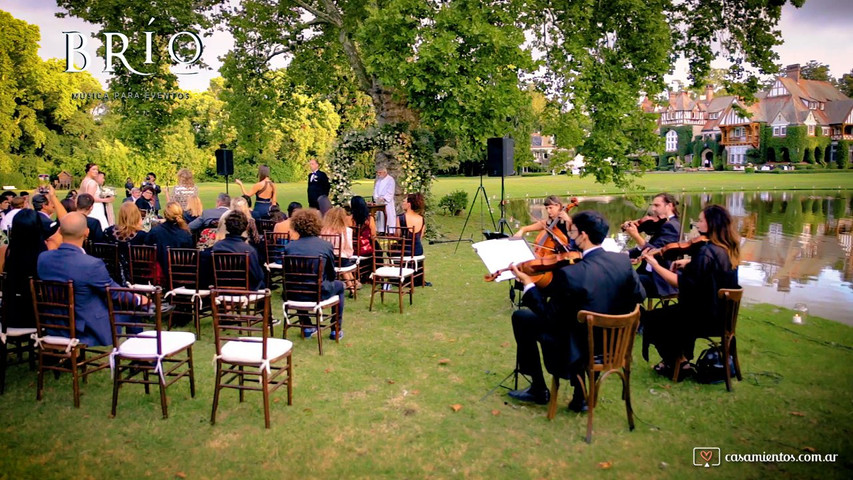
(822,30)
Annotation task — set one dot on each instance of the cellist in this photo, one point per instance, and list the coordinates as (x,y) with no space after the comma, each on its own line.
(557,219)
(665,231)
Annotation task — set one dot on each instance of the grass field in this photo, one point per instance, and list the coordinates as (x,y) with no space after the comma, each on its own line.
(378,405)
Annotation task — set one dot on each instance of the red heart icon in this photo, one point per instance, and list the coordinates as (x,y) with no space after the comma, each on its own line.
(706,455)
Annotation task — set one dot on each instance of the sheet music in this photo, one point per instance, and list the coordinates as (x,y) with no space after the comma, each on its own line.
(499,254)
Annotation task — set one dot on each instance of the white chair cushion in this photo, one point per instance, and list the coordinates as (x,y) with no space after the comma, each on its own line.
(345,269)
(273,266)
(189,291)
(333,300)
(145,345)
(55,340)
(250,352)
(239,299)
(142,287)
(416,258)
(393,272)
(19,332)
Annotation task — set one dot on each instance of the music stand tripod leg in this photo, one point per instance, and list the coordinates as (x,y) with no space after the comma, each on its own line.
(471,210)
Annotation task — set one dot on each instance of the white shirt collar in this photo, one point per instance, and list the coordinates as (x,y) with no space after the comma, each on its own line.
(586,252)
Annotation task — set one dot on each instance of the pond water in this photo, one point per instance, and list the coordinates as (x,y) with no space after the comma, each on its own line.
(796,245)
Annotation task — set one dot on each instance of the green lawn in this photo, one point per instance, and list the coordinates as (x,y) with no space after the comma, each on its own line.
(378,405)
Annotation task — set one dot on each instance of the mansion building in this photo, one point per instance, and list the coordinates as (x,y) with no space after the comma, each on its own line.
(796,120)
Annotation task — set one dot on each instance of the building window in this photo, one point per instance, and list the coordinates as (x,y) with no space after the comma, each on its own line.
(824,131)
(811,130)
(671,141)
(739,132)
(783,131)
(775,131)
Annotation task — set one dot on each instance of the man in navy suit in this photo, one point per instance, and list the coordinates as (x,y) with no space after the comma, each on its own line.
(307,223)
(208,216)
(235,226)
(665,231)
(90,278)
(318,183)
(603,282)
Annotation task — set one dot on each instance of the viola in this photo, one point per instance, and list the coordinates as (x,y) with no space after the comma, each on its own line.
(541,269)
(672,251)
(550,237)
(648,224)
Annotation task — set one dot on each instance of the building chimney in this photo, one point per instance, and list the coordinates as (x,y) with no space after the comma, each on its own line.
(793,72)
(672,95)
(709,93)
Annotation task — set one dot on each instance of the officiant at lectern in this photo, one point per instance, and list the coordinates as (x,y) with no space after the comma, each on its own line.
(383,192)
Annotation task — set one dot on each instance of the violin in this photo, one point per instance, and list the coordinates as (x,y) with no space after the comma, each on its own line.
(648,224)
(541,269)
(672,251)
(550,238)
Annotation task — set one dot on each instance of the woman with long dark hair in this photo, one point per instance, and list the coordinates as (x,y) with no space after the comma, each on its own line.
(264,192)
(26,242)
(712,265)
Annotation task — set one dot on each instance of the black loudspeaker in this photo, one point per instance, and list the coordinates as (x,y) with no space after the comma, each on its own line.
(224,162)
(499,161)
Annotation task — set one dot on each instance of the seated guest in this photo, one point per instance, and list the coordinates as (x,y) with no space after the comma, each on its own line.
(242,205)
(135,194)
(85,205)
(147,201)
(335,223)
(126,232)
(604,282)
(712,265)
(17,203)
(324,205)
(72,194)
(211,215)
(284,227)
(366,224)
(307,223)
(89,275)
(173,232)
(193,209)
(6,201)
(236,223)
(276,215)
(69,205)
(412,216)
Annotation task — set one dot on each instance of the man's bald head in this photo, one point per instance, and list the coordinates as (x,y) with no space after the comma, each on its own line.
(73,227)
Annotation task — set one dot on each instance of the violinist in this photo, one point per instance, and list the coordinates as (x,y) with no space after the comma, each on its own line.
(664,228)
(602,282)
(712,266)
(557,219)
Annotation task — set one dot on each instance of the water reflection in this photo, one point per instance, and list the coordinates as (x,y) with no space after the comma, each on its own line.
(796,246)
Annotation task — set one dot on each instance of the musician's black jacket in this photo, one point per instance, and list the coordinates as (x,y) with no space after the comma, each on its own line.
(603,282)
(667,233)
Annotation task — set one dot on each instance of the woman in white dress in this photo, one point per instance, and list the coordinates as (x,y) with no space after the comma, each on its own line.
(90,185)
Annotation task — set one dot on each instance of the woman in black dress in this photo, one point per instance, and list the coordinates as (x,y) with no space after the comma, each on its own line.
(126,232)
(712,265)
(174,232)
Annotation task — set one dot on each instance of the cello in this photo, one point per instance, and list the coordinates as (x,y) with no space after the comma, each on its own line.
(550,238)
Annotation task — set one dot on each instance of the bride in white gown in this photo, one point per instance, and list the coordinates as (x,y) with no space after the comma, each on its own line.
(103,202)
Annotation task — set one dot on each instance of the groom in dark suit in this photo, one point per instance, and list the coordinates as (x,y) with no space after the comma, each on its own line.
(90,278)
(318,183)
(603,282)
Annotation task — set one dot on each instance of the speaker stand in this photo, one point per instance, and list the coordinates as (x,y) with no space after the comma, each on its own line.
(481,188)
(226,185)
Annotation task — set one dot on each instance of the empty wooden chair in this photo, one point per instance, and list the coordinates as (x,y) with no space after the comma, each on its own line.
(144,269)
(303,298)
(162,357)
(184,288)
(389,271)
(248,353)
(56,336)
(611,340)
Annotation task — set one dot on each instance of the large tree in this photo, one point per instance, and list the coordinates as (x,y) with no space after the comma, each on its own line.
(454,65)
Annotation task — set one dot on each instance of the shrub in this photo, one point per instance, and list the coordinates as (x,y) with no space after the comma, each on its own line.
(749,170)
(454,202)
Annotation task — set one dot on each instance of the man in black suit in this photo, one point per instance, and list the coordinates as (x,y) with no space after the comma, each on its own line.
(223,201)
(665,231)
(85,203)
(318,183)
(236,224)
(602,282)
(307,223)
